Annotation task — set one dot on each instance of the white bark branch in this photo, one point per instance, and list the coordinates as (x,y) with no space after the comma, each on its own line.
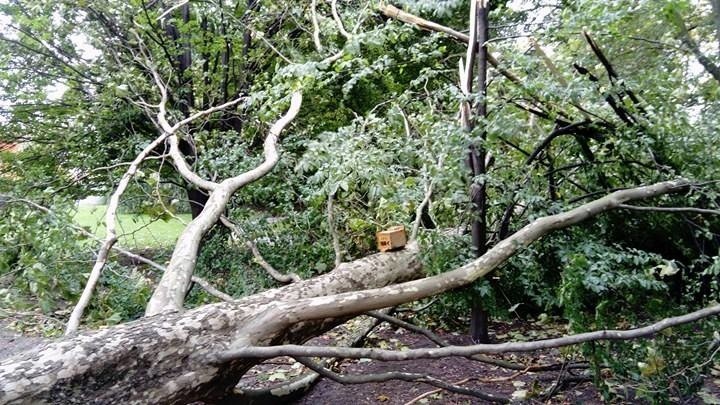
(110,216)
(169,295)
(184,169)
(316,26)
(398,375)
(362,301)
(333,232)
(468,351)
(338,19)
(670,209)
(110,236)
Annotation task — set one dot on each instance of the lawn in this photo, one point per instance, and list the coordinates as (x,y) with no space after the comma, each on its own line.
(134,231)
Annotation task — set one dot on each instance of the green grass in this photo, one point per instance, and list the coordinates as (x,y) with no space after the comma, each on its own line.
(134,230)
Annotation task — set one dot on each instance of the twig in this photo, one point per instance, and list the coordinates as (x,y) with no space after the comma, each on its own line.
(283,278)
(464,380)
(276,393)
(397,375)
(409,326)
(316,26)
(333,232)
(670,209)
(568,129)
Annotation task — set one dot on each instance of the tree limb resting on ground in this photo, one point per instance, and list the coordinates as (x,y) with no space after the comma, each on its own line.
(467,351)
(398,375)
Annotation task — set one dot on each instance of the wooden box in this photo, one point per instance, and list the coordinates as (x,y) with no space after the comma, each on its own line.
(392,238)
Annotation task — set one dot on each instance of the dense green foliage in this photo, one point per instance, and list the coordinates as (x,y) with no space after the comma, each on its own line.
(377,128)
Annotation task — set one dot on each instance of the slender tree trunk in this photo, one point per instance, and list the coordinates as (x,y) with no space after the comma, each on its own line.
(478,153)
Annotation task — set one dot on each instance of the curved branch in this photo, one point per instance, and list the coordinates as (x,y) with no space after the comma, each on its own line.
(169,295)
(398,375)
(467,351)
(110,236)
(283,278)
(184,169)
(568,129)
(286,314)
(670,209)
(338,20)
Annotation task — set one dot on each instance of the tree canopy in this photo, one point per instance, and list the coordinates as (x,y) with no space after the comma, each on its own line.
(292,132)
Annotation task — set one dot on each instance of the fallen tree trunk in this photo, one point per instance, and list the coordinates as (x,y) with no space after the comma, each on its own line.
(166,358)
(182,357)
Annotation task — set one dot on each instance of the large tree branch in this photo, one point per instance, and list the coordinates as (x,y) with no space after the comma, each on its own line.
(169,295)
(113,204)
(113,364)
(467,351)
(346,304)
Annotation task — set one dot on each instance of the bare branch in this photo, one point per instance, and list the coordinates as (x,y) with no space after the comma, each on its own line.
(361,301)
(110,216)
(568,129)
(283,278)
(355,338)
(467,351)
(408,326)
(464,380)
(316,26)
(670,209)
(397,375)
(169,295)
(212,290)
(333,232)
(338,20)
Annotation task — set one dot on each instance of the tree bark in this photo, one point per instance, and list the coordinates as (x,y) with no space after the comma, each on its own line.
(478,190)
(167,358)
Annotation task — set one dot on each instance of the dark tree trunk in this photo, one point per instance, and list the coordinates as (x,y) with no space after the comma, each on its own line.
(478,315)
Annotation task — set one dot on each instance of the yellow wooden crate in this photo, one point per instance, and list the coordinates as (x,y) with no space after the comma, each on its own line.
(392,238)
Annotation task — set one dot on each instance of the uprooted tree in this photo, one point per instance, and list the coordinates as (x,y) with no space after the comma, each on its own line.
(193,82)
